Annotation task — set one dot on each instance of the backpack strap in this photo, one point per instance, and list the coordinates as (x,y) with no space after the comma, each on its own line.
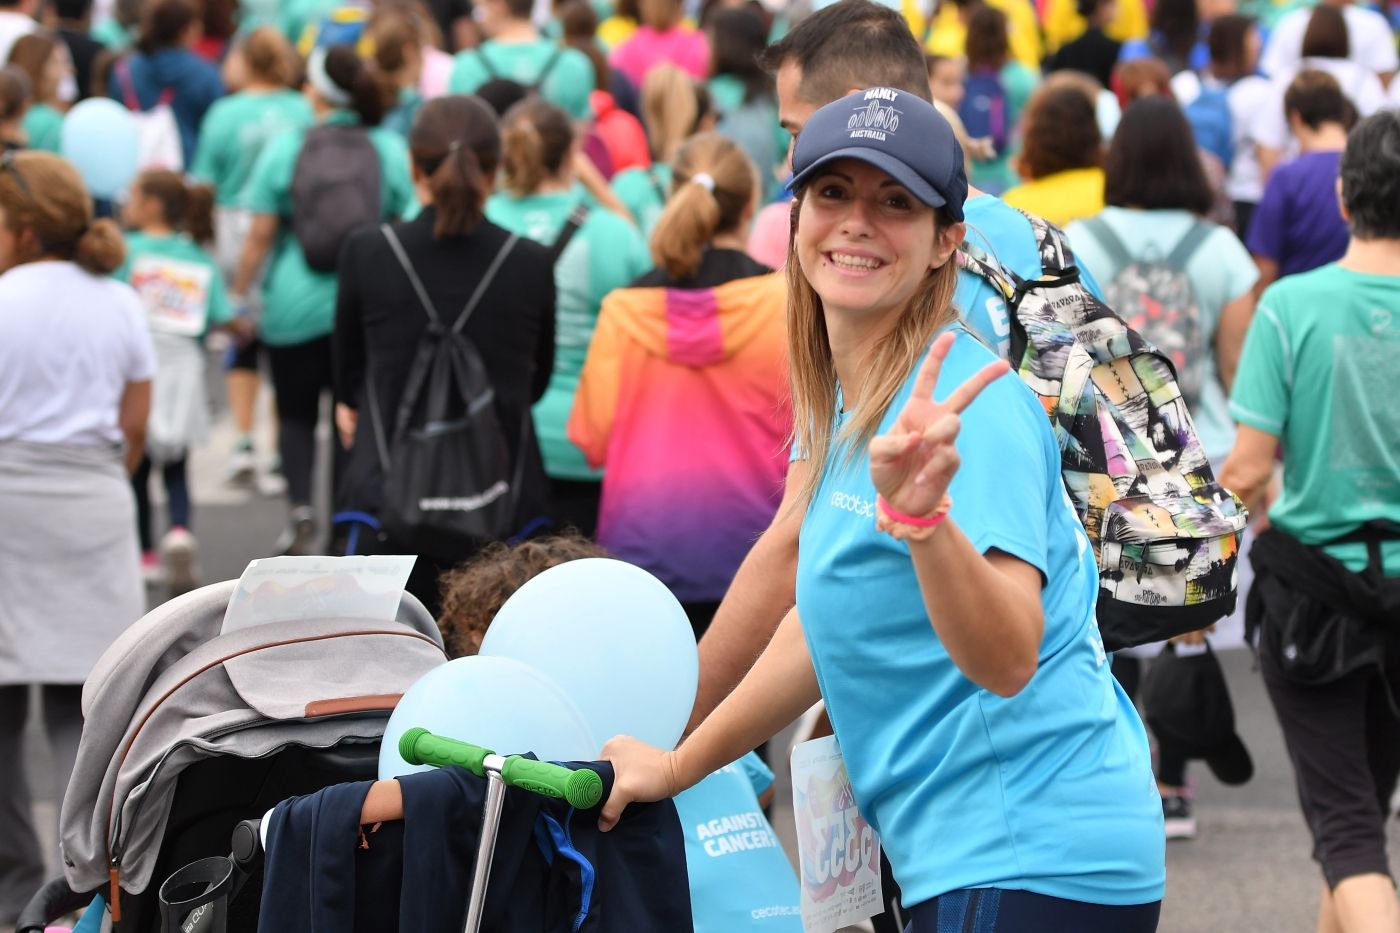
(129,95)
(548,67)
(1188,245)
(486,279)
(397,247)
(1118,254)
(576,218)
(486,66)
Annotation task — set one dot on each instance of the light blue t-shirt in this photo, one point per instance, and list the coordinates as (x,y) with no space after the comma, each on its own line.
(1220,271)
(740,878)
(1049,791)
(1003,233)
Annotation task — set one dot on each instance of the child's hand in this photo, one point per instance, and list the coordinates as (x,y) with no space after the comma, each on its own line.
(982,149)
(643,773)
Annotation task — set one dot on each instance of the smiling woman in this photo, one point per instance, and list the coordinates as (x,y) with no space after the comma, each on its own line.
(945,589)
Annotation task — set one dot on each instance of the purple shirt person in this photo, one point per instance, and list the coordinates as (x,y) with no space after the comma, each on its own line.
(1297,224)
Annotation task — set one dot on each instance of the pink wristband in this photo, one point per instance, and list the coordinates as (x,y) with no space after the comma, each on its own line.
(915,521)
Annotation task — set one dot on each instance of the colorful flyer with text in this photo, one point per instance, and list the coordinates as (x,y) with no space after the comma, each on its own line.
(838,850)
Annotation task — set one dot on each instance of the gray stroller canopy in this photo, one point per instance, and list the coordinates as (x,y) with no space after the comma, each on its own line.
(172,690)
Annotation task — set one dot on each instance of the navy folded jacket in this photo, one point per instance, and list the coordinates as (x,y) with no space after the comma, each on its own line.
(552,871)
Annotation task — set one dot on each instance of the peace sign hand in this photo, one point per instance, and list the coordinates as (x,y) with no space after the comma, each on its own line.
(915,462)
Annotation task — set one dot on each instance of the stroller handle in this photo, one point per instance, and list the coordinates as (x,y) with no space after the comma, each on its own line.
(583,789)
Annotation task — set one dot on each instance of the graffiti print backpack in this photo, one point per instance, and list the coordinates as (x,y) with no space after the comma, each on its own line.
(1154,297)
(1165,534)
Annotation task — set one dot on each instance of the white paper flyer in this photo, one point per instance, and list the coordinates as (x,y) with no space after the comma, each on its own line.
(839,851)
(282,589)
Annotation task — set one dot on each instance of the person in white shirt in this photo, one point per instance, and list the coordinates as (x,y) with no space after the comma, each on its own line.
(1372,44)
(75,389)
(16,19)
(1326,45)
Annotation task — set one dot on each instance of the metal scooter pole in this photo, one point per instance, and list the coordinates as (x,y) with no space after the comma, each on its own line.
(486,848)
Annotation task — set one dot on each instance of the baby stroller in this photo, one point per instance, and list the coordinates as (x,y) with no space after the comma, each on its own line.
(188,731)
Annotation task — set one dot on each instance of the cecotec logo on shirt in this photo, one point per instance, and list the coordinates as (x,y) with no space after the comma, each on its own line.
(874,120)
(850,502)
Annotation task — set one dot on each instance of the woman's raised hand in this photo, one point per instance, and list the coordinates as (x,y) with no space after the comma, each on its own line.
(913,464)
(642,773)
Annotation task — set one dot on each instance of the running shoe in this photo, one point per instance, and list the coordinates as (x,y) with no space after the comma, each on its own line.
(152,573)
(1176,815)
(242,467)
(179,550)
(299,537)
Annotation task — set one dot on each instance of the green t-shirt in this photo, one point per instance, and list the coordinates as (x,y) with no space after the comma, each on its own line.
(234,133)
(177,281)
(753,125)
(568,83)
(643,191)
(606,253)
(113,35)
(298,14)
(997,175)
(1318,371)
(44,127)
(298,301)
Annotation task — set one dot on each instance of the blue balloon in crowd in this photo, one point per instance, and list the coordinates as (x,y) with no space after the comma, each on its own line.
(503,705)
(99,138)
(614,638)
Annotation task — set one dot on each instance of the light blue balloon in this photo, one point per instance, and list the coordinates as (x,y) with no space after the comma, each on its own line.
(614,638)
(498,703)
(99,138)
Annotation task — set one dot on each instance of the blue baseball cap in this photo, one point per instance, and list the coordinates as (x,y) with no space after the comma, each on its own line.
(897,132)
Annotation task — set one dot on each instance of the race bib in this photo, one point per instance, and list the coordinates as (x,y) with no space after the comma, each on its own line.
(174,292)
(838,850)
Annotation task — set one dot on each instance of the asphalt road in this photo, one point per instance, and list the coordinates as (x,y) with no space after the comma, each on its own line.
(1248,869)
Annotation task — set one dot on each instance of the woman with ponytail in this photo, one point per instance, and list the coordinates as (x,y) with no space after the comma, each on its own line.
(674,107)
(234,133)
(540,199)
(309,189)
(183,293)
(721,362)
(75,390)
(455,149)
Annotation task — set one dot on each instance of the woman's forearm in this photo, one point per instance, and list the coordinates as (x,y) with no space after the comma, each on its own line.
(261,235)
(985,608)
(779,688)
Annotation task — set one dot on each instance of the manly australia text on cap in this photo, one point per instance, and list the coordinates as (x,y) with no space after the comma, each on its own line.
(895,131)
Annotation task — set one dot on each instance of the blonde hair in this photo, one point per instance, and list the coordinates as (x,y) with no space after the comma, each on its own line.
(812,374)
(670,109)
(54,205)
(536,137)
(695,214)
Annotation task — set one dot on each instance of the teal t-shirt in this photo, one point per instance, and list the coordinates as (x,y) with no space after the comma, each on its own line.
(44,127)
(176,279)
(643,191)
(298,301)
(234,133)
(400,119)
(753,125)
(1004,233)
(740,878)
(606,253)
(568,83)
(1050,790)
(113,35)
(1220,271)
(996,175)
(1318,371)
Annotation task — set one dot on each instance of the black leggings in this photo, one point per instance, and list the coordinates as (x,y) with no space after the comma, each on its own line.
(996,910)
(177,496)
(300,374)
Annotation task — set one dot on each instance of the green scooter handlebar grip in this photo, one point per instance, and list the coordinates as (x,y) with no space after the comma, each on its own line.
(420,747)
(583,789)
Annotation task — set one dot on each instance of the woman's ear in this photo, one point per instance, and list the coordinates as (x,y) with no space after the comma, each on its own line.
(946,242)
